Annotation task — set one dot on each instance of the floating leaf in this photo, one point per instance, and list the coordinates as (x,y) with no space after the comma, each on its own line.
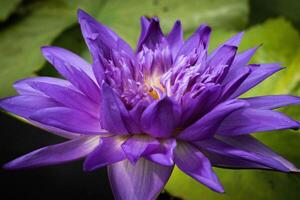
(20,42)
(7,7)
(290,79)
(280,43)
(263,9)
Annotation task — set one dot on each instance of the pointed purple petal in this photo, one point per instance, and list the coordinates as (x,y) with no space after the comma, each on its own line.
(234,84)
(258,74)
(234,41)
(175,38)
(200,37)
(272,101)
(101,41)
(239,63)
(55,130)
(194,108)
(241,59)
(192,162)
(108,151)
(56,154)
(68,119)
(250,120)
(67,97)
(100,38)
(58,57)
(137,146)
(161,118)
(144,29)
(229,161)
(32,100)
(250,152)
(25,105)
(111,111)
(249,143)
(153,36)
(207,125)
(220,62)
(73,68)
(135,116)
(144,180)
(223,56)
(23,86)
(165,156)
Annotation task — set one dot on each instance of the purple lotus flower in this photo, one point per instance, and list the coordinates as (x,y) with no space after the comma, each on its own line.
(140,113)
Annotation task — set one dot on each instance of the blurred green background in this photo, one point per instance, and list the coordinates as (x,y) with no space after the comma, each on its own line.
(26,25)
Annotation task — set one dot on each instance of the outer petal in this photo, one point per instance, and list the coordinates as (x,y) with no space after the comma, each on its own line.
(165,156)
(100,38)
(68,119)
(239,62)
(258,74)
(135,115)
(137,146)
(194,108)
(207,125)
(241,59)
(101,41)
(245,152)
(67,97)
(223,57)
(175,38)
(191,161)
(144,29)
(109,151)
(161,118)
(272,101)
(55,154)
(24,87)
(153,36)
(75,69)
(228,161)
(55,130)
(234,41)
(235,83)
(249,143)
(249,120)
(144,180)
(25,105)
(111,111)
(200,37)
(59,57)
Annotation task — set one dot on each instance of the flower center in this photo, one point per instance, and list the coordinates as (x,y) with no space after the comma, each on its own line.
(153,94)
(154,87)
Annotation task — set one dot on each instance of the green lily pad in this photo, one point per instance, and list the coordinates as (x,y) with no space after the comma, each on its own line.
(20,42)
(290,78)
(7,7)
(263,9)
(281,43)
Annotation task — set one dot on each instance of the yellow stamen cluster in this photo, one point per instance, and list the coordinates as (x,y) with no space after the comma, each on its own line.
(153,82)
